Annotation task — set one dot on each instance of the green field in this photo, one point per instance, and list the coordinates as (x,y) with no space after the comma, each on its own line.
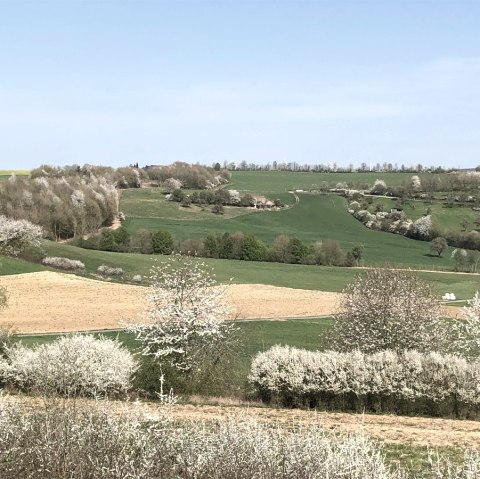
(446,218)
(321,278)
(255,336)
(270,182)
(5,174)
(150,203)
(314,218)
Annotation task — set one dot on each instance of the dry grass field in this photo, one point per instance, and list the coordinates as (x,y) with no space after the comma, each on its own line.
(46,302)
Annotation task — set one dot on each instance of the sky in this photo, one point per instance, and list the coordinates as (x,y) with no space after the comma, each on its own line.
(347,82)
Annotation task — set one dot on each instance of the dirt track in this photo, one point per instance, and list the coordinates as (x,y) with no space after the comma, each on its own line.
(59,302)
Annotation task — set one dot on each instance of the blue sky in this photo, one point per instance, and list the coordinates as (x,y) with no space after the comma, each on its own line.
(118,82)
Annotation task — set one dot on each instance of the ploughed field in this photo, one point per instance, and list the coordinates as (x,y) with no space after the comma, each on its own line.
(46,301)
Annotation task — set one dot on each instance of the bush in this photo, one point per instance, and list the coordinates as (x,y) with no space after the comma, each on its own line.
(17,235)
(70,366)
(63,263)
(107,271)
(63,442)
(401,382)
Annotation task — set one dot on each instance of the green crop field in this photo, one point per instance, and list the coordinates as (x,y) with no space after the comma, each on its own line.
(320,278)
(6,174)
(314,218)
(272,182)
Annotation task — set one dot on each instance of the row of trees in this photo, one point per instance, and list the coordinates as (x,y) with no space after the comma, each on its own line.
(218,196)
(332,167)
(236,245)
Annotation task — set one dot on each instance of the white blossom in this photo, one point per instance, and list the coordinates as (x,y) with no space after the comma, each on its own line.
(285,372)
(187,318)
(16,235)
(422,227)
(78,199)
(78,364)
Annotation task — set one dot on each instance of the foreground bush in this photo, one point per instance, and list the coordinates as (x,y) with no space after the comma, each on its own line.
(81,443)
(70,366)
(66,264)
(401,382)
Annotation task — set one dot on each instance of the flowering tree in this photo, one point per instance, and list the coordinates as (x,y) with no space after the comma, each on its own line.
(16,235)
(186,323)
(468,330)
(422,227)
(389,309)
(415,183)
(379,187)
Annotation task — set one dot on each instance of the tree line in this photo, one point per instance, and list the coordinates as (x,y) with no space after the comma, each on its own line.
(228,245)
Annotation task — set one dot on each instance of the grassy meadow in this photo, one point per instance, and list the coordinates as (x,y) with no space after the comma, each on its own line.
(314,218)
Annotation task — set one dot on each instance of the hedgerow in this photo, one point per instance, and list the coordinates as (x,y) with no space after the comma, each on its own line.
(402,382)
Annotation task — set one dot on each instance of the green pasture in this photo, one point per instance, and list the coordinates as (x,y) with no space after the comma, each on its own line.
(150,203)
(9,265)
(314,218)
(270,182)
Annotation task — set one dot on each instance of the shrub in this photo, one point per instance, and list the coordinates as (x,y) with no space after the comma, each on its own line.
(107,271)
(63,263)
(92,442)
(379,187)
(387,381)
(162,242)
(137,278)
(17,235)
(70,366)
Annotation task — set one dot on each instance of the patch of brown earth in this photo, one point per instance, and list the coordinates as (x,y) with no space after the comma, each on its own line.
(47,301)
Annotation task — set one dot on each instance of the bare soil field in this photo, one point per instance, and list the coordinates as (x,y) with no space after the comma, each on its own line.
(45,302)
